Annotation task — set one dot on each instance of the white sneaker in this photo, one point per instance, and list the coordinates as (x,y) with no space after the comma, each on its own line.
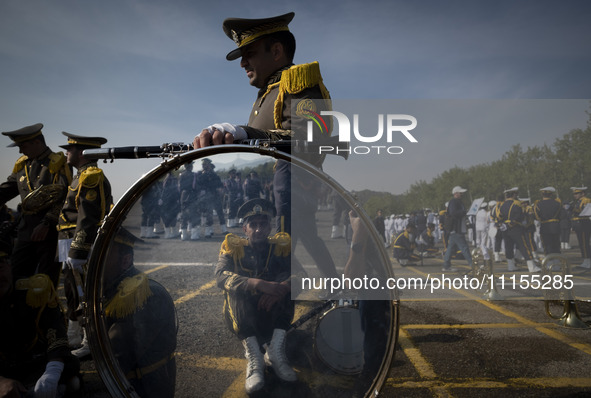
(255,366)
(84,350)
(276,358)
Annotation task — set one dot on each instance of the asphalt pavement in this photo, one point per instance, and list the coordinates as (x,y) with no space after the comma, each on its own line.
(450,343)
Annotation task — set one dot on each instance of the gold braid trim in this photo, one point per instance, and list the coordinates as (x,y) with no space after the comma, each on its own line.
(282,242)
(91,178)
(234,246)
(20,163)
(297,79)
(132,294)
(40,291)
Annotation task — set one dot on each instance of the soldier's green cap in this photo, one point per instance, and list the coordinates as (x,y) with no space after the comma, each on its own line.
(73,139)
(24,134)
(255,207)
(246,31)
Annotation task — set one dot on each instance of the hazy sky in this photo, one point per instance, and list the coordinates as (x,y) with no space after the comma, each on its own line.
(149,72)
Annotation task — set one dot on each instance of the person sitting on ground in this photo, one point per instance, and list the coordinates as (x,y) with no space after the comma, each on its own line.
(404,246)
(255,275)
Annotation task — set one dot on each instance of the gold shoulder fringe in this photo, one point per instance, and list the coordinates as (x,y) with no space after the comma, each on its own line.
(234,246)
(57,160)
(20,163)
(294,80)
(91,177)
(300,77)
(132,294)
(40,291)
(282,242)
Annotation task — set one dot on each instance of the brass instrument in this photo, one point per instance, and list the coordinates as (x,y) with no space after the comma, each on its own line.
(563,299)
(43,197)
(486,271)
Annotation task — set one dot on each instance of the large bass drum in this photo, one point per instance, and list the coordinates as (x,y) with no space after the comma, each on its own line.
(155,314)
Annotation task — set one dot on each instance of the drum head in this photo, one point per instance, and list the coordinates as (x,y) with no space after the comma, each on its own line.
(339,340)
(162,323)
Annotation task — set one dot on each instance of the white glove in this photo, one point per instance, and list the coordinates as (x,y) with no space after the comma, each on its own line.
(76,264)
(46,386)
(238,132)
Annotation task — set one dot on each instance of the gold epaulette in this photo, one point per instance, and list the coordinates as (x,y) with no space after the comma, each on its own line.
(20,163)
(40,291)
(234,246)
(57,160)
(294,80)
(282,242)
(132,294)
(91,177)
(300,77)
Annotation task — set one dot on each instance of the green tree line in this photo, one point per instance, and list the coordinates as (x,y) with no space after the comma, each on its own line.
(564,164)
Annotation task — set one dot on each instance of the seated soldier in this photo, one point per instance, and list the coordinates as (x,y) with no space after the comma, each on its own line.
(36,359)
(255,276)
(141,322)
(404,246)
(426,242)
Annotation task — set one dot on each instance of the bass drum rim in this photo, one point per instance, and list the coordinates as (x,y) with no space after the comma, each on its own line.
(105,362)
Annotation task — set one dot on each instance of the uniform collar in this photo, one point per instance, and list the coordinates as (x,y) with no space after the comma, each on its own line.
(274,78)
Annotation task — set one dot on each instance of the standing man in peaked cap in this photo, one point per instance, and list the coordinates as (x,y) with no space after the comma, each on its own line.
(87,202)
(511,216)
(41,178)
(266,50)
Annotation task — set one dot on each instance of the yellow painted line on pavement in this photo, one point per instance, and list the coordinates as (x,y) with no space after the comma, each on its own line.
(422,366)
(586,348)
(238,366)
(475,326)
(156,269)
(194,294)
(537,382)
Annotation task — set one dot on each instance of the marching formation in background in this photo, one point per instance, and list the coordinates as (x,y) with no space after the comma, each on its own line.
(60,213)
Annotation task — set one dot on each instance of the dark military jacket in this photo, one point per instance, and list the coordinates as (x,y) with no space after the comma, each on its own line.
(88,200)
(403,247)
(548,212)
(33,327)
(511,213)
(27,176)
(578,207)
(233,270)
(272,118)
(142,331)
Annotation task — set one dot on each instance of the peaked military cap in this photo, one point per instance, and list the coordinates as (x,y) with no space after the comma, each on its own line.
(81,140)
(246,31)
(578,189)
(24,134)
(257,206)
(548,189)
(511,190)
